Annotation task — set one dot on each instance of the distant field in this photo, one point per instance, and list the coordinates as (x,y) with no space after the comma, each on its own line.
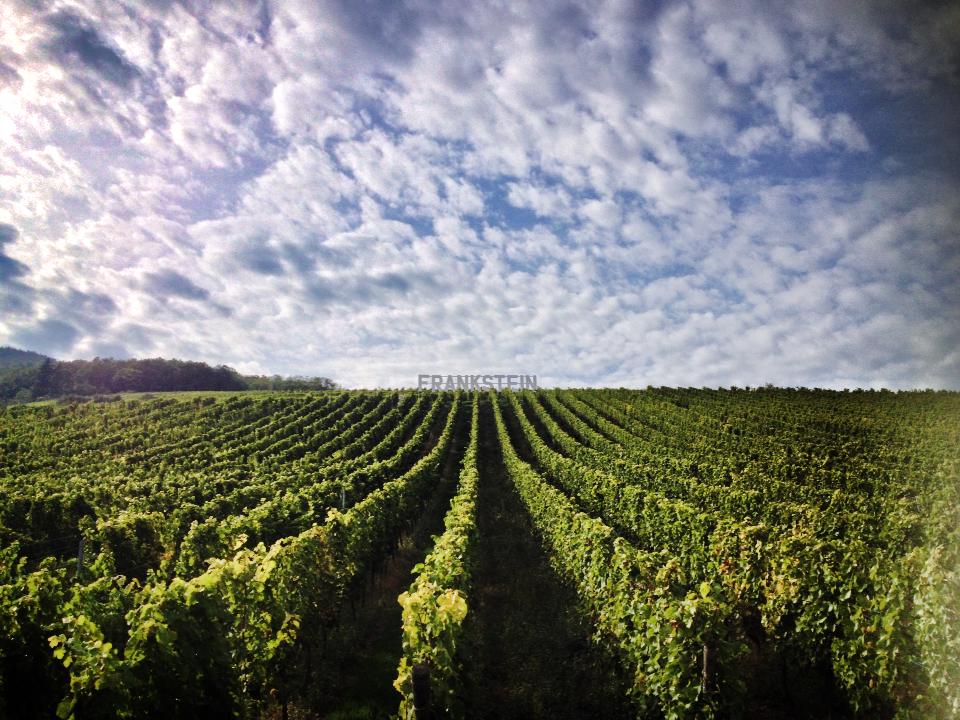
(577,553)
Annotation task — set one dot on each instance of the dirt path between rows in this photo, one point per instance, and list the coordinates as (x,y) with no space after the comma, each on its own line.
(531,656)
(365,647)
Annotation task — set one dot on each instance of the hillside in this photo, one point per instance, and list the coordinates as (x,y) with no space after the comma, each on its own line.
(564,554)
(11,357)
(31,376)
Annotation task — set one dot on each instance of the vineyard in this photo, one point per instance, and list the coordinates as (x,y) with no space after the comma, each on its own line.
(667,553)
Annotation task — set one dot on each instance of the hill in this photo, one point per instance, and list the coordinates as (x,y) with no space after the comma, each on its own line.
(674,553)
(11,358)
(31,376)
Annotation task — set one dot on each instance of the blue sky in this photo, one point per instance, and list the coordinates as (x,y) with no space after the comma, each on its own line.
(599,193)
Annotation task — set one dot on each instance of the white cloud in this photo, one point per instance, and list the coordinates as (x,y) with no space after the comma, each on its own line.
(690,97)
(333,187)
(554,202)
(747,48)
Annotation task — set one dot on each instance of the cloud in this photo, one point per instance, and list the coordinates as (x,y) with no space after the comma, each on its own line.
(745,48)
(16,298)
(170,283)
(48,336)
(90,304)
(379,25)
(598,192)
(552,202)
(77,43)
(10,268)
(9,75)
(117,351)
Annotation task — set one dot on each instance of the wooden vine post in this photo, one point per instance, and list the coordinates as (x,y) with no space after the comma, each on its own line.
(80,557)
(421,691)
(707,668)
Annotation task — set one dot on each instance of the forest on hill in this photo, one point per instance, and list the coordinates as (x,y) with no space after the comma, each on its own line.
(26,376)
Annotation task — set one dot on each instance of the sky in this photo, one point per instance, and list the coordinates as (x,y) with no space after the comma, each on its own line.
(597,193)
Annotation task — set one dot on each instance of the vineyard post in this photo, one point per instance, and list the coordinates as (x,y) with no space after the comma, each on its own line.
(707,669)
(80,557)
(421,691)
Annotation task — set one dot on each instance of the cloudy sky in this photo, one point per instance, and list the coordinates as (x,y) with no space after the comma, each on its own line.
(600,193)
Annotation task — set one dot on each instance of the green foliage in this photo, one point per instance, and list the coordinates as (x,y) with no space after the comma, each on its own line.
(643,603)
(30,606)
(435,606)
(829,572)
(27,375)
(937,600)
(223,534)
(134,540)
(226,641)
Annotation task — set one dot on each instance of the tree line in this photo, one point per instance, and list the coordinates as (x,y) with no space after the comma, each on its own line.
(50,378)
